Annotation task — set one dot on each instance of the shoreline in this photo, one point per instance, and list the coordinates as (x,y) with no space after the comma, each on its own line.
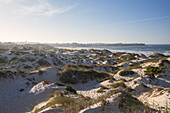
(147,53)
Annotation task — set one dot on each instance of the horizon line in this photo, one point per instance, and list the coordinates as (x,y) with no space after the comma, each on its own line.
(85,42)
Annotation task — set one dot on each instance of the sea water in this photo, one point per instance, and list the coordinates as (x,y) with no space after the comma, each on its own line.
(147,49)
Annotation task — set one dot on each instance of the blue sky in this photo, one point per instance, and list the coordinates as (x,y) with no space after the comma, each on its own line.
(104,21)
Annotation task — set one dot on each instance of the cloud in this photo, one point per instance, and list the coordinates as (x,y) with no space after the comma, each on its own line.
(33,7)
(141,20)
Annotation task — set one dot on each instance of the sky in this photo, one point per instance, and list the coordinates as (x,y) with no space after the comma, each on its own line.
(85,21)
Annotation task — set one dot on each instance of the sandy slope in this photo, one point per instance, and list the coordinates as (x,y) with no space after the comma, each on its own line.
(14,101)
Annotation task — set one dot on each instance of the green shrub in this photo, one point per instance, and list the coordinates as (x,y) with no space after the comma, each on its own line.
(64,101)
(27,67)
(2,60)
(129,57)
(127,102)
(101,90)
(34,82)
(30,59)
(156,55)
(114,72)
(75,75)
(13,59)
(59,84)
(153,70)
(128,72)
(70,105)
(69,88)
(82,51)
(108,78)
(28,79)
(43,62)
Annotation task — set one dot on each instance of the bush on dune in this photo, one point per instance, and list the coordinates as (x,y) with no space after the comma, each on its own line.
(75,75)
(156,55)
(28,67)
(2,60)
(69,88)
(128,72)
(42,62)
(153,70)
(64,101)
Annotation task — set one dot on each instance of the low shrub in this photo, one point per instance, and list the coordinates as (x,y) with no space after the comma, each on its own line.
(113,73)
(75,75)
(64,101)
(156,55)
(27,67)
(71,105)
(69,88)
(129,57)
(108,78)
(28,79)
(2,60)
(153,70)
(59,84)
(127,102)
(30,59)
(101,90)
(128,72)
(43,62)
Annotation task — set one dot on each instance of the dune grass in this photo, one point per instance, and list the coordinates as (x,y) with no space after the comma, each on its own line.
(125,73)
(75,75)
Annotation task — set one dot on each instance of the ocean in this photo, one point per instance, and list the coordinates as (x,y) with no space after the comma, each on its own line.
(147,49)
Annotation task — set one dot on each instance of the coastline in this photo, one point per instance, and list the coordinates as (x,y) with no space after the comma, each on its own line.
(119,49)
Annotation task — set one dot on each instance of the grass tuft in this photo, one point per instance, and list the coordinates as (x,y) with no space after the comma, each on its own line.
(125,73)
